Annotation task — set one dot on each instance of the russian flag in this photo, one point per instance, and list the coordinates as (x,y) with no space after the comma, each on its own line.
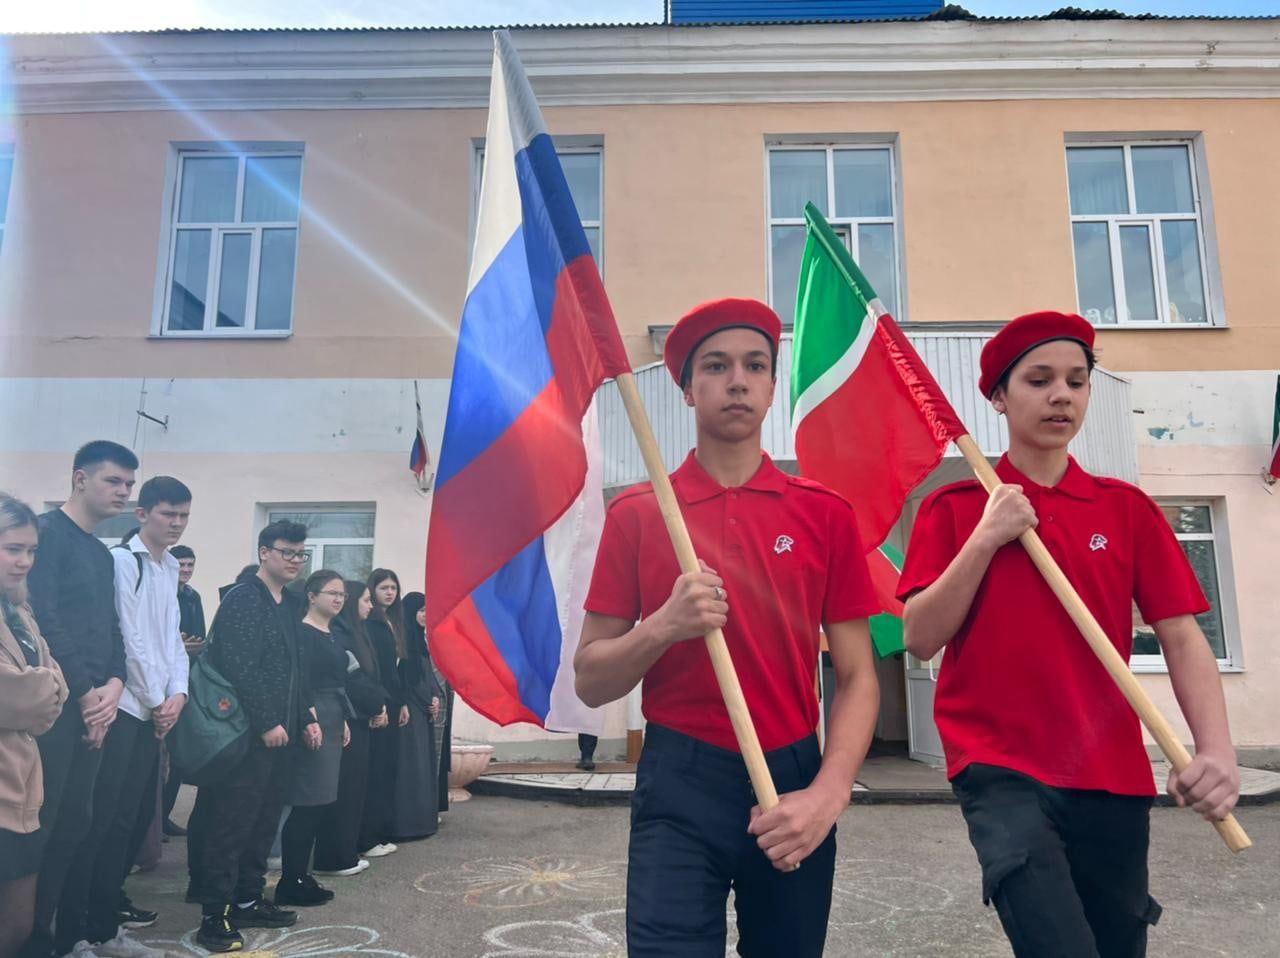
(510,547)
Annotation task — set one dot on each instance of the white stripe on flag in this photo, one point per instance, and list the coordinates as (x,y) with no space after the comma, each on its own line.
(571,546)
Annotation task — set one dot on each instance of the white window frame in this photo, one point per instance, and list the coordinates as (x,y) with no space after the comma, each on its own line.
(7,151)
(844,226)
(218,231)
(564,145)
(1153,221)
(1218,535)
(316,545)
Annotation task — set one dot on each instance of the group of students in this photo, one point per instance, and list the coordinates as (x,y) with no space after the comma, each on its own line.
(349,720)
(1045,756)
(1043,752)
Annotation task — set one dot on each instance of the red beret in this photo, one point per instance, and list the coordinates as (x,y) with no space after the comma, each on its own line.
(1024,334)
(710,318)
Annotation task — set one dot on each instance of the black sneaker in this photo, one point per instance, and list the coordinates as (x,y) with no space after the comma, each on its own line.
(586,765)
(172,829)
(262,914)
(217,934)
(305,892)
(130,915)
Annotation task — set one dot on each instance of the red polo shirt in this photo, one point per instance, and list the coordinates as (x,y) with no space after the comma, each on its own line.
(791,560)
(1019,686)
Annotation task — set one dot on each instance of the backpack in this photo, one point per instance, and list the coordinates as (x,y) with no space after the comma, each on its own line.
(123,547)
(212,735)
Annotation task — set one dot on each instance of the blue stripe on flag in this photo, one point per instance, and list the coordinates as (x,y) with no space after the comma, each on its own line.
(553,230)
(502,362)
(518,605)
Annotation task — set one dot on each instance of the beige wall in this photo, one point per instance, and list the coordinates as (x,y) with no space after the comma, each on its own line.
(387,196)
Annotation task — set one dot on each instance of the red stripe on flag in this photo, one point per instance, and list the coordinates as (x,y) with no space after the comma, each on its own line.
(870,442)
(465,651)
(478,522)
(884,580)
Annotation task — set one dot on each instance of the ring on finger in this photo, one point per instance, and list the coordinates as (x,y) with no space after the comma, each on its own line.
(719,594)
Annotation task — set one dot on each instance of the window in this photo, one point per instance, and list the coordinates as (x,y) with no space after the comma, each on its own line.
(234,243)
(338,538)
(855,189)
(584,170)
(1137,234)
(6,178)
(1196,528)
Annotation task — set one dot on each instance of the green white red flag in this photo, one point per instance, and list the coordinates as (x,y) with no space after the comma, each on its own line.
(871,422)
(1273,470)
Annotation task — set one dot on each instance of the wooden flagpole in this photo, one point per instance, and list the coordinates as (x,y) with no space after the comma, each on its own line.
(730,687)
(1111,659)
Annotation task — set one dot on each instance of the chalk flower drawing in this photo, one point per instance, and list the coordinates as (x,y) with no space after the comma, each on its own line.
(322,940)
(868,891)
(517,883)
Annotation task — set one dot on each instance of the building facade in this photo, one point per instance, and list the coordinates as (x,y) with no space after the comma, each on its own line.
(238,251)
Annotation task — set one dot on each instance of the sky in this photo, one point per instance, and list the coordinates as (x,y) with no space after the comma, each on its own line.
(17,16)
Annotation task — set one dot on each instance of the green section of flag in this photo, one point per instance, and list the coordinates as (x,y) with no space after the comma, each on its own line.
(886,635)
(886,628)
(831,306)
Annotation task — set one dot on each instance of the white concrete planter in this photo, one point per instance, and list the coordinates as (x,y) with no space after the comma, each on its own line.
(467,763)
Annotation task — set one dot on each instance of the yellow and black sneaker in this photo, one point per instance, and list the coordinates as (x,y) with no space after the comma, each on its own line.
(217,934)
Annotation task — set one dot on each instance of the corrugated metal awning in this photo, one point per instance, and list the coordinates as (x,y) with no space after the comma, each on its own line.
(1105,445)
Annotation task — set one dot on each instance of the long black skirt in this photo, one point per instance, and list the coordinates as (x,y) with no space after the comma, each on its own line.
(416,805)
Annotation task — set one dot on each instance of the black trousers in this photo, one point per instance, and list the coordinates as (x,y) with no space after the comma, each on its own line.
(690,847)
(338,844)
(172,785)
(70,770)
(91,894)
(1066,868)
(235,824)
(298,839)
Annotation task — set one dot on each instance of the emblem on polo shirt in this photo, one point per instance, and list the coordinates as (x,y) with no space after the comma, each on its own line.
(783,544)
(1099,541)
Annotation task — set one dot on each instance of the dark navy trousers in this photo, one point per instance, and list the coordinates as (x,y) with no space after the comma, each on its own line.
(690,847)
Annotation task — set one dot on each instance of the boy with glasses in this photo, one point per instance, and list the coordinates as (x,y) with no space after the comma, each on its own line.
(254,645)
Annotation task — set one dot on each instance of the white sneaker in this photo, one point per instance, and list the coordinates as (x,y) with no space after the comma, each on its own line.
(378,851)
(355,869)
(125,945)
(81,949)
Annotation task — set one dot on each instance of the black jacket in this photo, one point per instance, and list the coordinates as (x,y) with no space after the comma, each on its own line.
(73,594)
(384,652)
(254,644)
(191,609)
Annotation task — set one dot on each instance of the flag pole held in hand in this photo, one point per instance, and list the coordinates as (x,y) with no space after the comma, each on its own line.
(910,364)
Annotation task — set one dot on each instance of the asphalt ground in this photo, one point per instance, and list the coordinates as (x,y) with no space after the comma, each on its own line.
(508,877)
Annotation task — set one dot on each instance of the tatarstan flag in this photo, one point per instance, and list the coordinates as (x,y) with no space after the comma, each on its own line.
(871,422)
(1273,470)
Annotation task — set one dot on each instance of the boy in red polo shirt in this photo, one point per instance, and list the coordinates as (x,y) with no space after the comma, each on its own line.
(1043,752)
(781,558)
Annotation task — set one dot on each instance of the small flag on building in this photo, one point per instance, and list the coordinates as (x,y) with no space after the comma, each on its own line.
(420,455)
(1273,470)
(519,506)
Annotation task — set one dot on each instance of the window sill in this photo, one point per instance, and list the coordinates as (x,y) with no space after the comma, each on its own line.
(273,334)
(1107,327)
(1154,668)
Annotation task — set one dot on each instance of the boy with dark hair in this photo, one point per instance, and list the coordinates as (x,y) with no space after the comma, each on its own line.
(146,596)
(253,643)
(191,625)
(72,588)
(1043,751)
(787,562)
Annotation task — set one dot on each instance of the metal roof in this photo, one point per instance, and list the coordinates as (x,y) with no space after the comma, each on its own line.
(948,12)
